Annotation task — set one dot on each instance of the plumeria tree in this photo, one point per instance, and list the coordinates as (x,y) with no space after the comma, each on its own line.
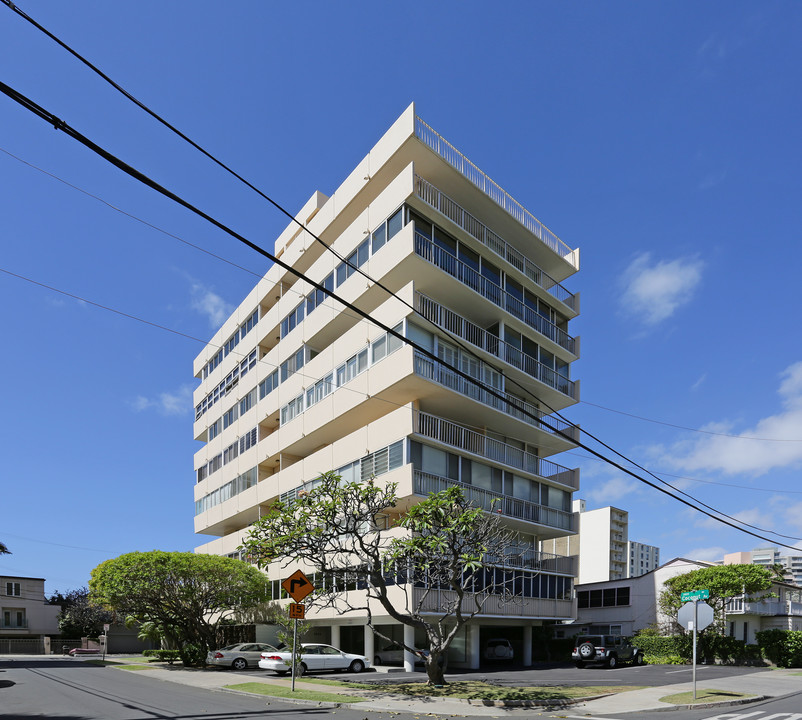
(435,562)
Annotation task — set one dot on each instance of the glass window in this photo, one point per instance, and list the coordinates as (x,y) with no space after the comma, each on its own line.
(363,253)
(445,242)
(379,237)
(379,348)
(395,223)
(469,257)
(393,343)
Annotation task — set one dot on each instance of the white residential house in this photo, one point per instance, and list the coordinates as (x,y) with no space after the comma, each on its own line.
(294,384)
(623,607)
(25,615)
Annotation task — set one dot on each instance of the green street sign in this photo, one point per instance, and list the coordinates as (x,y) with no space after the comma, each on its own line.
(695,595)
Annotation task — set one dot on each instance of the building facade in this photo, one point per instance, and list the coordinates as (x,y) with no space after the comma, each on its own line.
(642,558)
(770,557)
(295,384)
(601,543)
(25,617)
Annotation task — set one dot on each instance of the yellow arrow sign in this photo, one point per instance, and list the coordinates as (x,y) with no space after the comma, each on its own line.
(298,586)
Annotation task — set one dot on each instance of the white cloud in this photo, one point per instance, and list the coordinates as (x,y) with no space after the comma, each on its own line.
(166,403)
(739,455)
(654,290)
(706,554)
(609,491)
(209,303)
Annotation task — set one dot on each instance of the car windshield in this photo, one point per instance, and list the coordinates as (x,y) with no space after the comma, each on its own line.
(231,647)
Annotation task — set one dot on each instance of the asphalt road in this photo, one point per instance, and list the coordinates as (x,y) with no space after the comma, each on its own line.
(789,708)
(73,690)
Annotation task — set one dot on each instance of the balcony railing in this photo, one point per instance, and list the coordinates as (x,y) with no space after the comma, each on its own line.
(495,192)
(425,484)
(738,606)
(547,608)
(515,407)
(459,326)
(461,217)
(19,625)
(467,275)
(457,436)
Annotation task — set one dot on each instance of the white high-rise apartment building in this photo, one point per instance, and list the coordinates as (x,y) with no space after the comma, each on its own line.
(294,384)
(642,558)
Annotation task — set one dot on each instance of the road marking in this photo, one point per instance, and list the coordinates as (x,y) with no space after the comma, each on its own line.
(743,716)
(698,667)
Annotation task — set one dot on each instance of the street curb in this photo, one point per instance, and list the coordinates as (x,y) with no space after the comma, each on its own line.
(292,701)
(558,703)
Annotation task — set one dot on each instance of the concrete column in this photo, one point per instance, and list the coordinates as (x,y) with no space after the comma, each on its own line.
(527,658)
(474,647)
(370,650)
(409,640)
(335,636)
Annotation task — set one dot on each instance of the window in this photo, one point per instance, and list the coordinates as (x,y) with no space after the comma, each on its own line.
(292,364)
(379,237)
(248,440)
(214,429)
(269,384)
(395,223)
(247,402)
(230,415)
(13,588)
(292,409)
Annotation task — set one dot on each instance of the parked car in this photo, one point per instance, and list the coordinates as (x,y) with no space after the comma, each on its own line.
(499,649)
(314,656)
(607,649)
(240,655)
(84,651)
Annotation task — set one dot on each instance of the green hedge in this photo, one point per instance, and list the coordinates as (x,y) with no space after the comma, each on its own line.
(677,649)
(169,656)
(782,647)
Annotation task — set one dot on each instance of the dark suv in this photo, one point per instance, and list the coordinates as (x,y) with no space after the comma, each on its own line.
(607,649)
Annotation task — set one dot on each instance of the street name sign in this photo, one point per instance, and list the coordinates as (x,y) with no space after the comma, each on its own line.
(695,595)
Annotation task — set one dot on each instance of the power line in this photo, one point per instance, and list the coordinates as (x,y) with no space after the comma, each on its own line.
(60,124)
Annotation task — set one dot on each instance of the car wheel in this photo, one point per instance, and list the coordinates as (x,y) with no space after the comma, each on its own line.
(377,660)
(239,664)
(301,669)
(612,662)
(587,651)
(639,659)
(357,666)
(580,664)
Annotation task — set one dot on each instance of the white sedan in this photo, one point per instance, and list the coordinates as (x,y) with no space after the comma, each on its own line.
(239,656)
(314,657)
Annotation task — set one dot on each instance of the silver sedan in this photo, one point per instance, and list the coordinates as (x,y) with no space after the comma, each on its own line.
(239,656)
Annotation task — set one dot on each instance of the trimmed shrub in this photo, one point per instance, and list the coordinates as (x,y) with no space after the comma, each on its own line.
(782,647)
(168,656)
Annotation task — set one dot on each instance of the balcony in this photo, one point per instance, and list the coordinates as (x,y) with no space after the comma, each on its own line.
(461,217)
(459,162)
(466,330)
(467,275)
(456,436)
(739,606)
(424,484)
(14,625)
(546,608)
(509,404)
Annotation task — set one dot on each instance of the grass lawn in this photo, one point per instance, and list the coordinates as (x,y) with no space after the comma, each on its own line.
(285,692)
(339,683)
(703,696)
(136,667)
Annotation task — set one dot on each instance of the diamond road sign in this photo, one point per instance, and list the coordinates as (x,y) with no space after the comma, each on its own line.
(695,595)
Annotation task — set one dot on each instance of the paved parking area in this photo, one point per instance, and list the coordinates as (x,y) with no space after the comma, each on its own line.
(567,674)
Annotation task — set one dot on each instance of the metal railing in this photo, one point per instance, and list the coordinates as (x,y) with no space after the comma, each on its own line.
(459,326)
(460,437)
(426,483)
(440,373)
(471,277)
(432,139)
(14,625)
(457,214)
(764,607)
(547,608)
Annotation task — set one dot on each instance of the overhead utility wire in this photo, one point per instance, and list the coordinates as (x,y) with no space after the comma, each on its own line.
(60,124)
(292,218)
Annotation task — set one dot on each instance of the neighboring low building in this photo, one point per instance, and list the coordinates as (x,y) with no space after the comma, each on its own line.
(25,615)
(625,606)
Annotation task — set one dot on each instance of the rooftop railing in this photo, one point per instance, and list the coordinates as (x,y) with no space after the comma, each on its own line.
(426,483)
(510,404)
(445,205)
(457,436)
(462,328)
(467,275)
(432,139)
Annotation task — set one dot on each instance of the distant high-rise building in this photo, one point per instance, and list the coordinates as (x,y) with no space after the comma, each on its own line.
(768,557)
(642,558)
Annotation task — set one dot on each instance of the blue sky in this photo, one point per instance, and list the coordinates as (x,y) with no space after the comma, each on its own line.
(663,139)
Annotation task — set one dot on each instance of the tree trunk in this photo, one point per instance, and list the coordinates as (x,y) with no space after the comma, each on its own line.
(434,669)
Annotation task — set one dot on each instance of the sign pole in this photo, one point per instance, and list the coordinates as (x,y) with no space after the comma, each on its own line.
(695,623)
(295,650)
